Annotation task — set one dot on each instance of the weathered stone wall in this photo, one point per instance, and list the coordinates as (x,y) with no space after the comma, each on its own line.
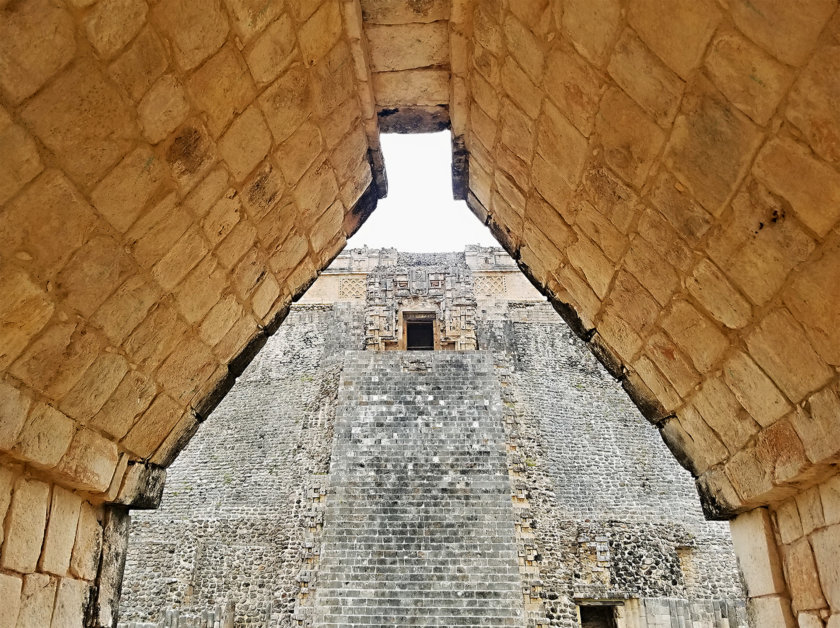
(600,511)
(236,521)
(612,516)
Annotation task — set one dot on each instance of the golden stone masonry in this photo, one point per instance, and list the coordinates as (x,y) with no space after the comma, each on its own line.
(174,173)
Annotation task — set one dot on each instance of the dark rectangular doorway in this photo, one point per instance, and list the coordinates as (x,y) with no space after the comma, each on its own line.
(597,617)
(420,335)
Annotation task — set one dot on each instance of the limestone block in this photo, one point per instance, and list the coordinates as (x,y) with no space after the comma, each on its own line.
(529,11)
(722,412)
(487,32)
(141,64)
(186,369)
(750,78)
(222,217)
(70,601)
(787,521)
(809,504)
(222,87)
(758,263)
(811,102)
(787,30)
(483,129)
(84,119)
(126,308)
(286,102)
(62,215)
(754,390)
(250,17)
(245,143)
(36,41)
(678,36)
(348,153)
(683,213)
(670,361)
(320,32)
(113,23)
(411,87)
(157,421)
(196,29)
(561,144)
(163,108)
(201,289)
(571,287)
(122,195)
(268,291)
(237,243)
(219,320)
(780,451)
(90,462)
(14,408)
(24,311)
(207,192)
(830,496)
(711,146)
(243,330)
(574,86)
(812,300)
(95,387)
(21,162)
(332,92)
(315,192)
(58,358)
(695,334)
(616,200)
(811,187)
(658,384)
(648,266)
(781,348)
(45,436)
(809,620)
(155,337)
(25,523)
(7,482)
(87,546)
(755,548)
(769,611)
(10,590)
(688,433)
(386,12)
(717,296)
(248,274)
(645,78)
(628,316)
(825,543)
(289,255)
(525,47)
(592,263)
(157,231)
(407,46)
(93,274)
(592,26)
(631,140)
(816,425)
(485,95)
(273,51)
(517,133)
(548,220)
(520,88)
(184,255)
(37,600)
(263,191)
(61,532)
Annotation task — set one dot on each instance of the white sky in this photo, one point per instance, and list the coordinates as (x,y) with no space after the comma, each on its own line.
(419,213)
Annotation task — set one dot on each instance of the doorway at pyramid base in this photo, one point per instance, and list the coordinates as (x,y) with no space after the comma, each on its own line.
(486,472)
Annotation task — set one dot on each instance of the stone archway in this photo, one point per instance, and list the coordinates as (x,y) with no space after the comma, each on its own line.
(175,173)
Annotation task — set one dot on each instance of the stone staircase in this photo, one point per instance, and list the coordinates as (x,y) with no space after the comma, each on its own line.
(419,528)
